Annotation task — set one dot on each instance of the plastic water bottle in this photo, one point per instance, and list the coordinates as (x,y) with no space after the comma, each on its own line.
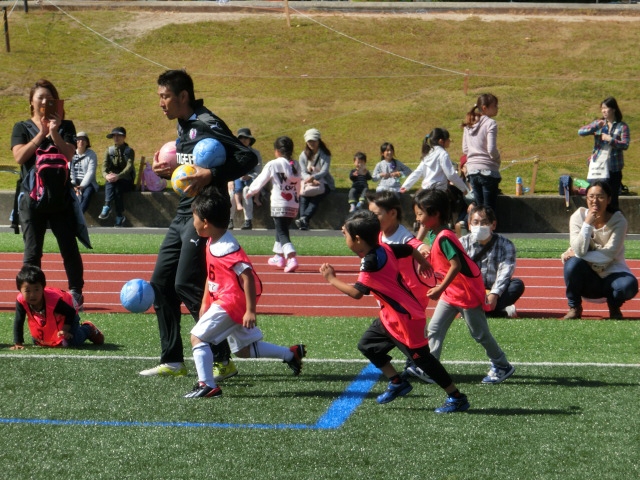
(519,189)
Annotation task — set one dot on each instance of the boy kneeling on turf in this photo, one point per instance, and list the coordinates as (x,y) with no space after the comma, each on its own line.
(51,314)
(229,302)
(402,319)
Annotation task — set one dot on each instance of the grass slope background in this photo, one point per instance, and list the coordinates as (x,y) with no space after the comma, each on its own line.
(549,421)
(360,79)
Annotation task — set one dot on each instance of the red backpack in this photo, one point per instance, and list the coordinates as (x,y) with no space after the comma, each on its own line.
(48,181)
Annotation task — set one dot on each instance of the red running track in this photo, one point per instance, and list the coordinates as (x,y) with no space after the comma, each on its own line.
(303,293)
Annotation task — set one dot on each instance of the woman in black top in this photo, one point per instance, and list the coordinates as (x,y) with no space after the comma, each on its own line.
(41,131)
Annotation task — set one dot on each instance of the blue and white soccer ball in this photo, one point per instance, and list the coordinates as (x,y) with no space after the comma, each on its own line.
(209,153)
(137,295)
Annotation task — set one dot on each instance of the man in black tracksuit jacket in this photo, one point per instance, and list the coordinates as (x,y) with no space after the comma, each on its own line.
(180,272)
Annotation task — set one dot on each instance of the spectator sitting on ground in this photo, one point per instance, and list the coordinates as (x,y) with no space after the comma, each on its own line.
(496,257)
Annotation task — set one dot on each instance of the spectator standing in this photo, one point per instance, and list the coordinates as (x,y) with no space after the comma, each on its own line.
(389,170)
(83,171)
(496,257)
(436,168)
(479,144)
(317,181)
(611,139)
(284,175)
(119,172)
(239,200)
(41,132)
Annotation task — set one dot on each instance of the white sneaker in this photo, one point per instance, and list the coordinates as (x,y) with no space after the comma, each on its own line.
(292,265)
(498,374)
(277,261)
(165,370)
(417,372)
(511,311)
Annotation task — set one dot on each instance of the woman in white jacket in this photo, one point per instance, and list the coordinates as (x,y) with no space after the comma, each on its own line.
(594,264)
(284,175)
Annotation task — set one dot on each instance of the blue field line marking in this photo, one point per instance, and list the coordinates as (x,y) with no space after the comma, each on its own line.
(336,415)
(343,407)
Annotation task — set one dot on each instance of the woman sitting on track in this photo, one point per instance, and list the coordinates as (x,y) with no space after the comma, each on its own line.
(594,264)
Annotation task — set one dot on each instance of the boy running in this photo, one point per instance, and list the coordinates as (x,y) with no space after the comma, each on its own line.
(402,319)
(228,310)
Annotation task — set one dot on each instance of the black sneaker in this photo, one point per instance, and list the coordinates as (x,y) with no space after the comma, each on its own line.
(295,364)
(202,390)
(230,226)
(247,225)
(302,223)
(615,313)
(104,214)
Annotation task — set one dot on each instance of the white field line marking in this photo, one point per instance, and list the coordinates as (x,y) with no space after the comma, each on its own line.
(320,360)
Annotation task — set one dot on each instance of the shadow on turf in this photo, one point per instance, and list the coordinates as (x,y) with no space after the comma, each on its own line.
(571,410)
(586,316)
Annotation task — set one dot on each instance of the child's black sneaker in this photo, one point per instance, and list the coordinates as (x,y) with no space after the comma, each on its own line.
(202,390)
(295,364)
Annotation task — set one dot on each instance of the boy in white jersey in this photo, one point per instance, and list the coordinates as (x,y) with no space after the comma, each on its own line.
(228,308)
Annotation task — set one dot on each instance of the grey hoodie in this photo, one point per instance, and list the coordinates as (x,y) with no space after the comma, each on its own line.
(479,145)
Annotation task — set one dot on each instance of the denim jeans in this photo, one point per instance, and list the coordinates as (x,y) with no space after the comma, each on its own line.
(582,281)
(485,190)
(115,191)
(87,193)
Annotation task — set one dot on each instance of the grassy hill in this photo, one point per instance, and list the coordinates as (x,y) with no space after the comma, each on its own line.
(361,79)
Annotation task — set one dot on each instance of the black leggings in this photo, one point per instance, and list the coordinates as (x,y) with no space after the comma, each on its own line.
(282,229)
(377,342)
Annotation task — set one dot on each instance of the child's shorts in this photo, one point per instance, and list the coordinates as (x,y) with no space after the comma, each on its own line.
(216,325)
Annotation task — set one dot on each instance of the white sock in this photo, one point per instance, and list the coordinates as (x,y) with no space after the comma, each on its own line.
(174,364)
(203,358)
(269,350)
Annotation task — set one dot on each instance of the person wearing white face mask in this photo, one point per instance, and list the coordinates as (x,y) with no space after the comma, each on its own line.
(496,257)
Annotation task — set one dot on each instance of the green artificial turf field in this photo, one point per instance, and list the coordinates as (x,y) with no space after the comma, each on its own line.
(569,411)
